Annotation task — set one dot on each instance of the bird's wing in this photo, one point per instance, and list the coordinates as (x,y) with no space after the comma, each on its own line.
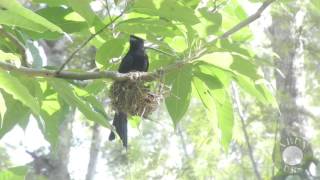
(126,64)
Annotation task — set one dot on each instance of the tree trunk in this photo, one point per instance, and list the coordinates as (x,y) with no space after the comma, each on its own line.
(287,43)
(61,157)
(94,152)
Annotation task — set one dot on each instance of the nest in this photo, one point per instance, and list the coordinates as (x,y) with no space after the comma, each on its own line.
(134,98)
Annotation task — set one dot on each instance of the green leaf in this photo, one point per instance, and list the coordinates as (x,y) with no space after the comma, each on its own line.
(111,49)
(230,46)
(224,76)
(135,121)
(8,56)
(14,114)
(68,95)
(214,85)
(178,101)
(19,92)
(225,118)
(53,114)
(178,43)
(232,14)
(316,3)
(209,24)
(83,8)
(96,86)
(217,100)
(267,94)
(13,13)
(97,106)
(167,9)
(190,3)
(222,60)
(3,109)
(151,26)
(15,173)
(231,62)
(244,66)
(249,86)
(204,94)
(52,2)
(68,20)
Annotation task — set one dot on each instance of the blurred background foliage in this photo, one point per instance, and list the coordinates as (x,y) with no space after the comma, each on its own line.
(224,110)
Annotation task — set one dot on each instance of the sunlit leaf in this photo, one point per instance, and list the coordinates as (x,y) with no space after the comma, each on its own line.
(15,173)
(52,2)
(68,95)
(8,56)
(178,101)
(111,49)
(65,18)
(220,59)
(14,14)
(12,86)
(168,9)
(16,112)
(225,119)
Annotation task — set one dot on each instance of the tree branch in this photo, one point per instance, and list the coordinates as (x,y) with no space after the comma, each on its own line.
(89,39)
(246,135)
(94,152)
(80,75)
(247,21)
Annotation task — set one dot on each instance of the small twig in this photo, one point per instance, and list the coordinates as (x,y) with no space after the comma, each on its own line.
(242,24)
(246,135)
(18,44)
(247,21)
(89,39)
(163,52)
(108,11)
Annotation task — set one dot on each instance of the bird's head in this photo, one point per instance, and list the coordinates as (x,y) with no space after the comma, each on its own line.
(136,42)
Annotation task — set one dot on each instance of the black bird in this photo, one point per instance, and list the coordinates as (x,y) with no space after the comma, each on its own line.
(135,60)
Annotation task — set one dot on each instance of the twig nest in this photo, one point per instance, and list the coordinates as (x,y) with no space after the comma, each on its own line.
(133,98)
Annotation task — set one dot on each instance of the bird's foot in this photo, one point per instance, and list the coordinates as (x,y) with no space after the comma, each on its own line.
(134,76)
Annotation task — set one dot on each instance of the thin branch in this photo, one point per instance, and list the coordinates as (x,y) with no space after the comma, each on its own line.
(80,75)
(240,25)
(108,10)
(162,52)
(247,21)
(246,135)
(18,44)
(89,39)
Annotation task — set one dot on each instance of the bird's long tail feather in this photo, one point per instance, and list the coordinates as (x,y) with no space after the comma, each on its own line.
(120,123)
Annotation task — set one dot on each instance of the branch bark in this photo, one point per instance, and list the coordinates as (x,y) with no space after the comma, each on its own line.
(246,135)
(80,75)
(247,21)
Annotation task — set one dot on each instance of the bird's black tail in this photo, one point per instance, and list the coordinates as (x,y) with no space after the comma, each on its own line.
(120,123)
